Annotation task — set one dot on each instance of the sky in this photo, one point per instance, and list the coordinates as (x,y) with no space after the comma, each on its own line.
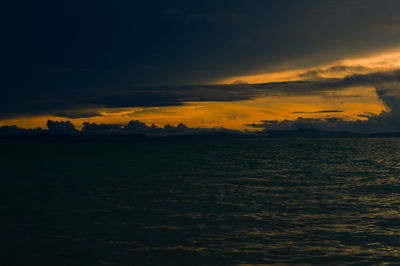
(243,65)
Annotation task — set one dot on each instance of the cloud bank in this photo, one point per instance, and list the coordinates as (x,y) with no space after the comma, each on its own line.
(132,128)
(383,123)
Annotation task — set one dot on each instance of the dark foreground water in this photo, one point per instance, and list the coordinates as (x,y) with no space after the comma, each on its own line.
(195,202)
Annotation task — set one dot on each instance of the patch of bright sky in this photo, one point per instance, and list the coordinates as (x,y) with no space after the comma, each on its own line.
(384,61)
(235,115)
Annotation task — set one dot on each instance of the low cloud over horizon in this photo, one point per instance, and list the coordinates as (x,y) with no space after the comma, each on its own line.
(132,127)
(385,123)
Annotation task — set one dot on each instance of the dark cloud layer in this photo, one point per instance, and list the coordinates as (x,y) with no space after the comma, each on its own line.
(174,42)
(77,114)
(70,103)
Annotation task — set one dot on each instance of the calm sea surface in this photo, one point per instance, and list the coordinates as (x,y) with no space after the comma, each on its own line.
(196,202)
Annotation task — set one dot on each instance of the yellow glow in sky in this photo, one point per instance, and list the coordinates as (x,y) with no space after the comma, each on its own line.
(386,61)
(235,115)
(349,103)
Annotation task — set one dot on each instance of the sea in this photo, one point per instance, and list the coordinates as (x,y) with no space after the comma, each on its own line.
(198,201)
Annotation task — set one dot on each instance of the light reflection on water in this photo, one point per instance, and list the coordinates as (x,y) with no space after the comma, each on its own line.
(202,202)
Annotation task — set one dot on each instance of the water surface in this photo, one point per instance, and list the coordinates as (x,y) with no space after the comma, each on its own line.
(195,202)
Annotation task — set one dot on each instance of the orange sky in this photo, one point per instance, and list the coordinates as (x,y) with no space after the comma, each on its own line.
(381,61)
(235,115)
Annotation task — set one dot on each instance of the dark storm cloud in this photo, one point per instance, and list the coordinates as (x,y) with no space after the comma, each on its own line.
(176,95)
(62,56)
(160,42)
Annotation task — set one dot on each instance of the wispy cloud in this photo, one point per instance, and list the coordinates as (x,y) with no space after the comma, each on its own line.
(319,112)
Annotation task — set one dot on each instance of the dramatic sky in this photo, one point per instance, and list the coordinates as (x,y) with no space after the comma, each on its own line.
(234,64)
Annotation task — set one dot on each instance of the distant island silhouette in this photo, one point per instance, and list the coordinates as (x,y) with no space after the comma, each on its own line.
(64,131)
